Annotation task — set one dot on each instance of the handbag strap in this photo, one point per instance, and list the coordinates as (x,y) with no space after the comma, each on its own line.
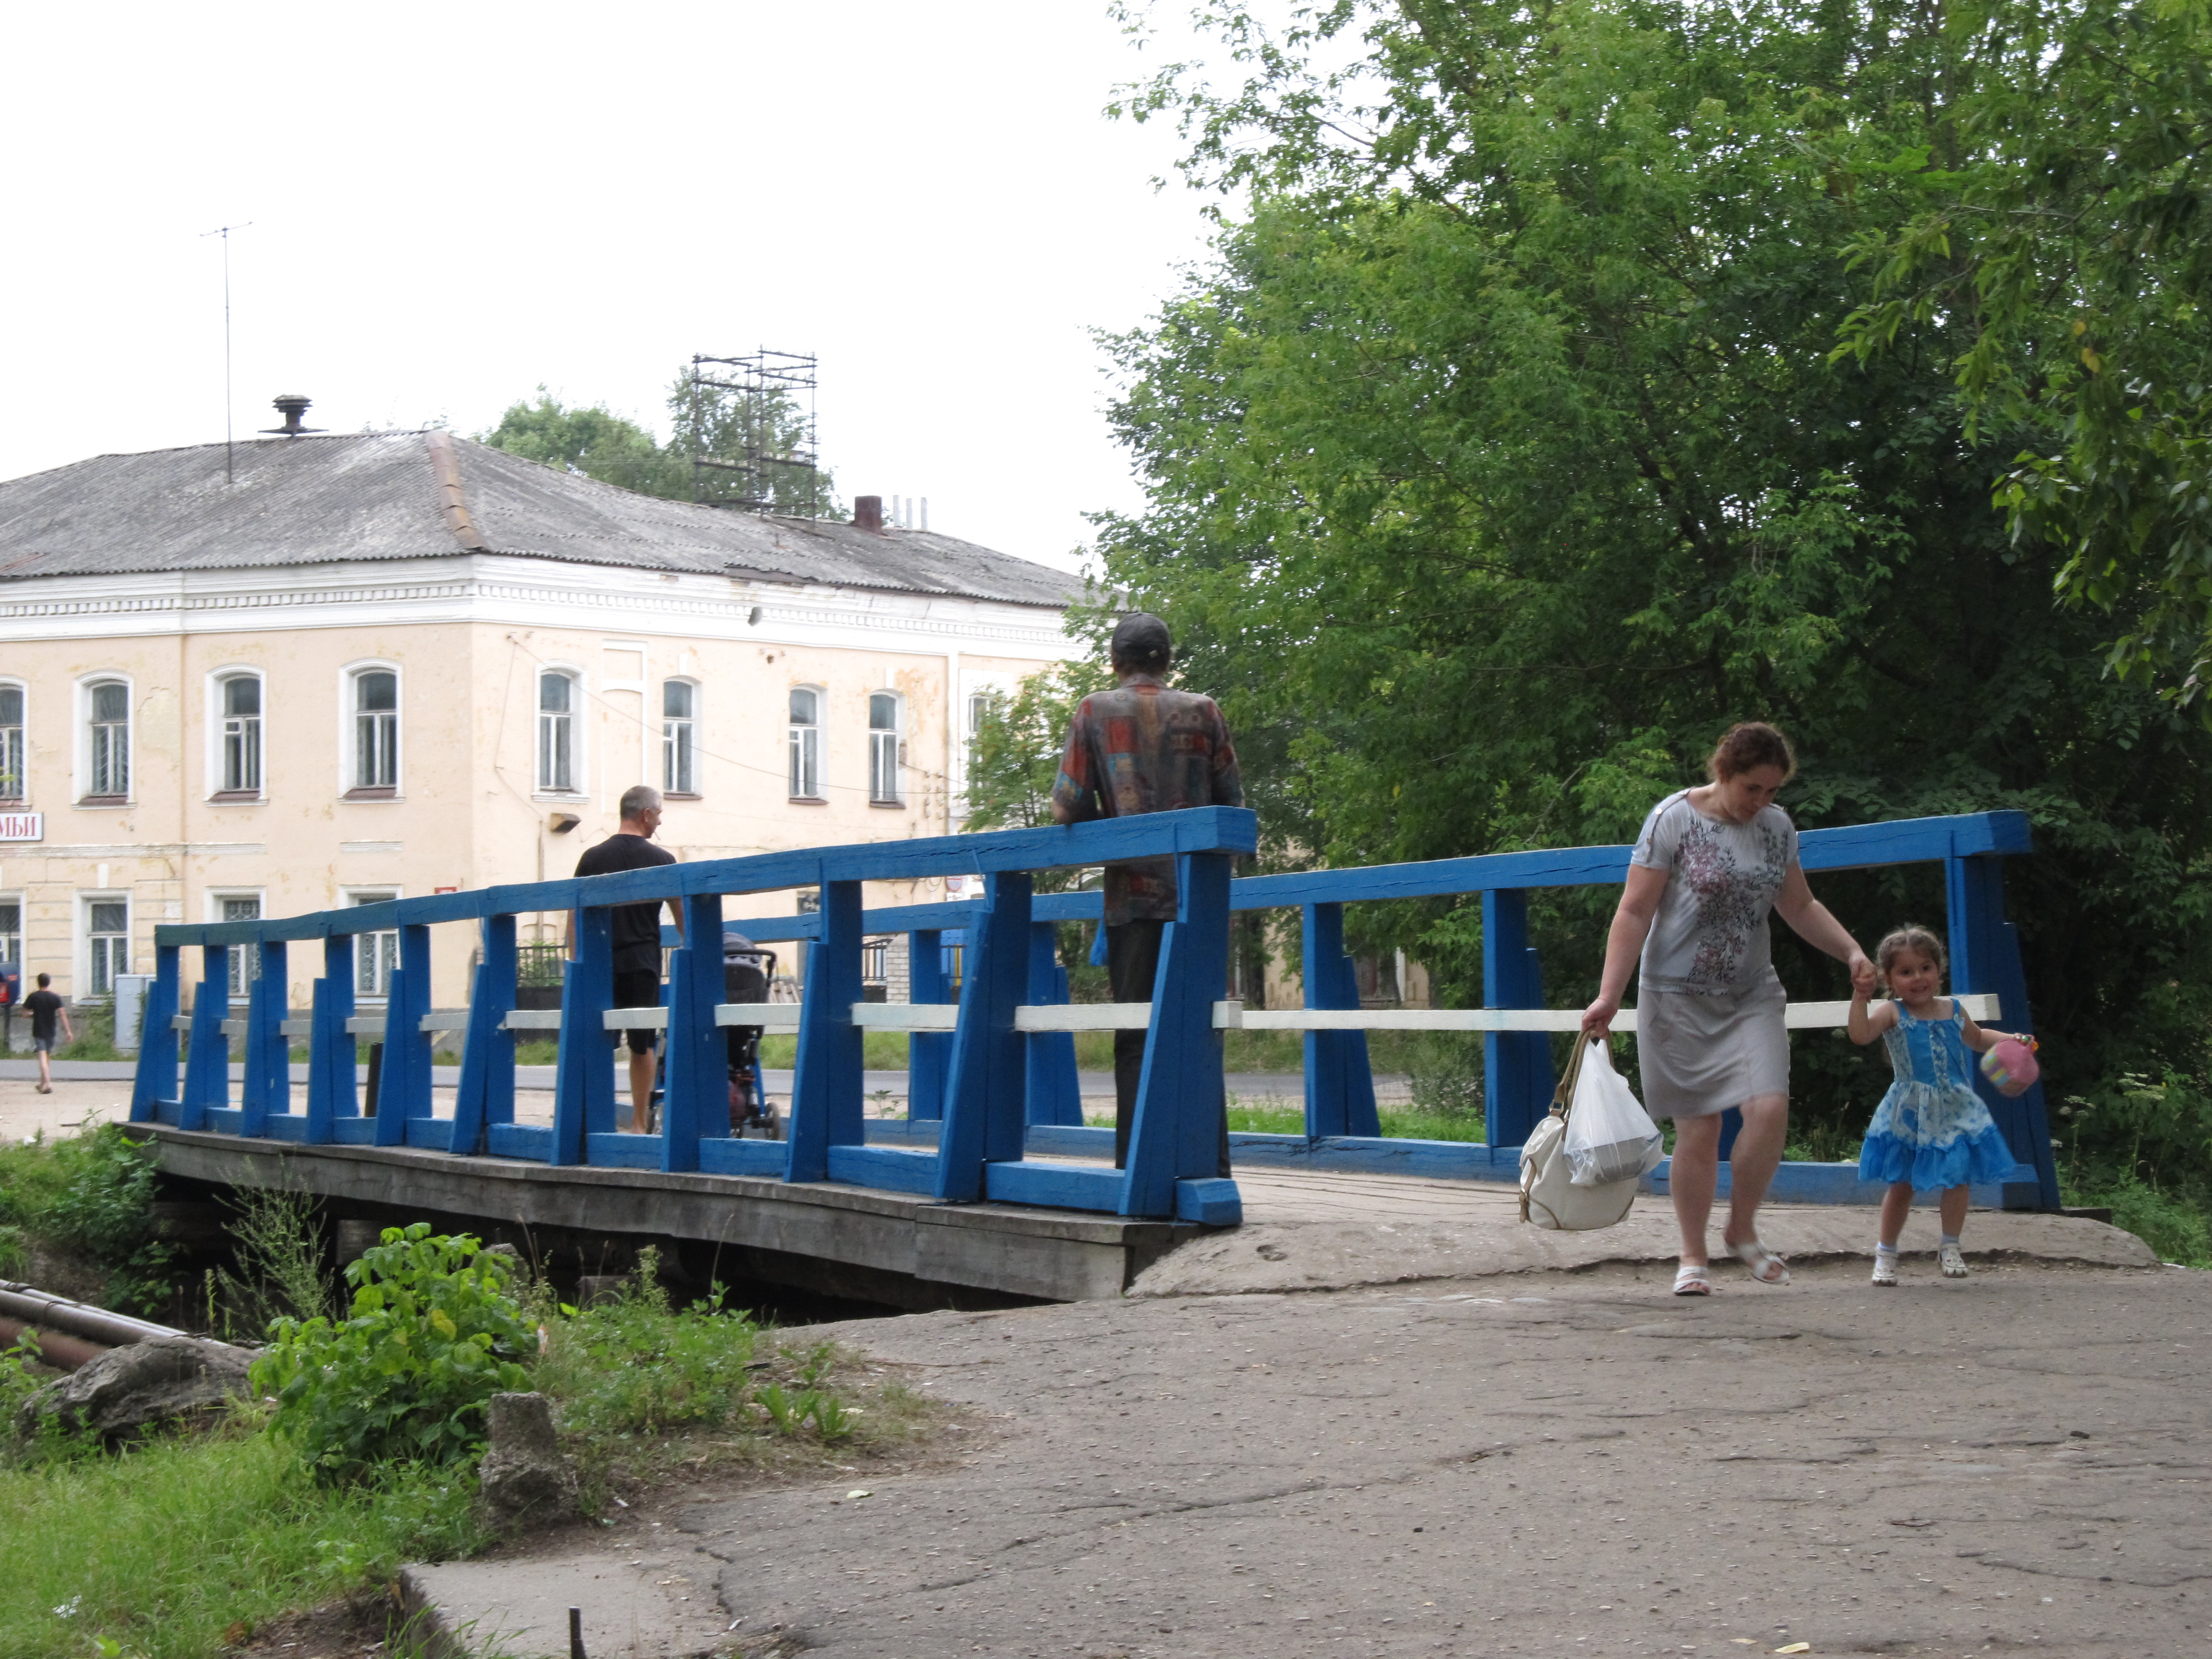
(1562,1097)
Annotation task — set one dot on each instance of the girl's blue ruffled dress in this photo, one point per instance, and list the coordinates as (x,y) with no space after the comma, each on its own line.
(1931,1128)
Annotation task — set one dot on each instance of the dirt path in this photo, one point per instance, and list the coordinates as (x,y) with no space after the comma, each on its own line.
(1545,1464)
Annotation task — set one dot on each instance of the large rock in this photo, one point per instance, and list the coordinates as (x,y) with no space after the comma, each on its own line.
(129,1390)
(524,1479)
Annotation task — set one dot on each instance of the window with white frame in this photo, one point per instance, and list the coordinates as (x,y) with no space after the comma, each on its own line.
(240,695)
(107,717)
(245,959)
(556,733)
(886,780)
(805,743)
(107,936)
(374,770)
(11,745)
(374,955)
(679,717)
(11,932)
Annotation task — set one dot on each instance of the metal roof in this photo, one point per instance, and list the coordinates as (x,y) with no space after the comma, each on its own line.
(348,497)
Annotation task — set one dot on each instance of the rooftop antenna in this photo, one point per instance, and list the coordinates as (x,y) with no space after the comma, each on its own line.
(224,231)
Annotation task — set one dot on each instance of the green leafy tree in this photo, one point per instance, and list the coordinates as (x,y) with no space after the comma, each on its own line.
(705,419)
(728,427)
(1501,458)
(1019,741)
(595,442)
(2059,215)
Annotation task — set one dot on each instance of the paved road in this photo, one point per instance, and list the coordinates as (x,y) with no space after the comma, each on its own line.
(1547,1464)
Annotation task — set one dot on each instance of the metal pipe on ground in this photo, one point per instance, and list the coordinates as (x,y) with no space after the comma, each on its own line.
(66,1353)
(31,1305)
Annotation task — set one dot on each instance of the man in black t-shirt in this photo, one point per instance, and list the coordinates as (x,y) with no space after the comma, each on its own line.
(636,931)
(45,1008)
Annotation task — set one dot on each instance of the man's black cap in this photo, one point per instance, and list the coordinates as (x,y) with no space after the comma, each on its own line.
(1142,638)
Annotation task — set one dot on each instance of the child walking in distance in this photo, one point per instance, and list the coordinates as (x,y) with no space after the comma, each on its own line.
(1931,1130)
(45,1008)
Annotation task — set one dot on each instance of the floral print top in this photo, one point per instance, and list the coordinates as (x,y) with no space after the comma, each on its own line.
(1709,937)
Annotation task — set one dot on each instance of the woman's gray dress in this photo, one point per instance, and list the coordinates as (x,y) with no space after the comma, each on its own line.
(1709,1006)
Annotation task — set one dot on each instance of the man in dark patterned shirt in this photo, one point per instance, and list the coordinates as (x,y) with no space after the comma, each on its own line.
(1142,748)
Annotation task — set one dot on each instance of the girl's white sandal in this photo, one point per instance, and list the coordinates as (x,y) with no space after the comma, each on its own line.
(1766,1266)
(1693,1279)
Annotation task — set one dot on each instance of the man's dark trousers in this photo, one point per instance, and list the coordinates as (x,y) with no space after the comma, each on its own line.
(1133,966)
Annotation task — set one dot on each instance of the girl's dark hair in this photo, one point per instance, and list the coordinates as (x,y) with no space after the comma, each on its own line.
(1748,744)
(1911,937)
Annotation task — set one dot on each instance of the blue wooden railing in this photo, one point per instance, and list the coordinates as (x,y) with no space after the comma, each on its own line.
(997,1078)
(1172,1169)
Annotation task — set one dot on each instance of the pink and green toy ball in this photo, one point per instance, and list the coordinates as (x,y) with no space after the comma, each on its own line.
(2011,1066)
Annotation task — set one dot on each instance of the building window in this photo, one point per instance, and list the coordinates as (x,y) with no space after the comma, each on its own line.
(556,734)
(885,780)
(11,933)
(241,735)
(679,769)
(110,722)
(374,955)
(245,959)
(375,734)
(805,744)
(108,927)
(11,745)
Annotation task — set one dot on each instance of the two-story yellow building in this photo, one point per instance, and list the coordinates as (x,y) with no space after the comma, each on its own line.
(324,670)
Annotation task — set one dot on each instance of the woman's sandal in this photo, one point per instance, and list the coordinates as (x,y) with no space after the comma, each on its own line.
(1693,1279)
(1766,1266)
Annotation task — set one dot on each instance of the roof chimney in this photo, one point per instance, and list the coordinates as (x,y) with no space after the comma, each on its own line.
(868,512)
(293,407)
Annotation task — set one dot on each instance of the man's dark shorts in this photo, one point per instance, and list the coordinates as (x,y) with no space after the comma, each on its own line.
(639,990)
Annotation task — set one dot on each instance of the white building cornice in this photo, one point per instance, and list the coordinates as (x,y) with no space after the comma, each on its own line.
(507,591)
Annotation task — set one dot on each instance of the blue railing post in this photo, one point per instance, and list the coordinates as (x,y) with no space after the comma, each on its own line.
(267,1085)
(696,1099)
(1053,1093)
(207,1063)
(332,1088)
(486,1094)
(983,1106)
(155,1082)
(826,1089)
(1181,1129)
(404,1084)
(1340,1079)
(1985,957)
(1517,1071)
(927,1053)
(583,1071)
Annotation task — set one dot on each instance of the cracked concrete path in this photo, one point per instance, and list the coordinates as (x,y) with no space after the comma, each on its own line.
(1556,1463)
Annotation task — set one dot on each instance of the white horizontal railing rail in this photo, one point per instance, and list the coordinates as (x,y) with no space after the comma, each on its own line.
(1230,1016)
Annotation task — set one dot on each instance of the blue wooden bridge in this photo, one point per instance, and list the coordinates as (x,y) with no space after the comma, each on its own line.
(993,1147)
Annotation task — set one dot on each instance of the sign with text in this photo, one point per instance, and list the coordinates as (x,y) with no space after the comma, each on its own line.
(23,826)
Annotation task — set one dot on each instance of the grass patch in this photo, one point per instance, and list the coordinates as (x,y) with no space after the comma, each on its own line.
(2176,1226)
(642,1391)
(165,1549)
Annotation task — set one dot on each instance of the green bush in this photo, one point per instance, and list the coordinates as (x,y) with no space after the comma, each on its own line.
(87,1195)
(433,1334)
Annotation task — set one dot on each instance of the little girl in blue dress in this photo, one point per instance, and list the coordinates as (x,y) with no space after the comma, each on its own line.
(1931,1130)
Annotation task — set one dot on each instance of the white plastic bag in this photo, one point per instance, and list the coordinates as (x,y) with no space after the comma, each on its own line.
(1610,1137)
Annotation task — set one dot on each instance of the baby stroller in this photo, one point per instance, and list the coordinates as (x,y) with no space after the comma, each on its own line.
(747,970)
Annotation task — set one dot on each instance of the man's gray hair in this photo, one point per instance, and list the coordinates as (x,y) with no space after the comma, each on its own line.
(639,797)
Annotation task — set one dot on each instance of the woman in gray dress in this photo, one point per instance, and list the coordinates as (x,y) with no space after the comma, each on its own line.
(1709,864)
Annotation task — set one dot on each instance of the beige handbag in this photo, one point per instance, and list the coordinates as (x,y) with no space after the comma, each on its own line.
(1548,1198)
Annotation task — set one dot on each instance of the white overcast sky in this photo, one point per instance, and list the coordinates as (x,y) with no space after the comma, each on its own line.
(450,203)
